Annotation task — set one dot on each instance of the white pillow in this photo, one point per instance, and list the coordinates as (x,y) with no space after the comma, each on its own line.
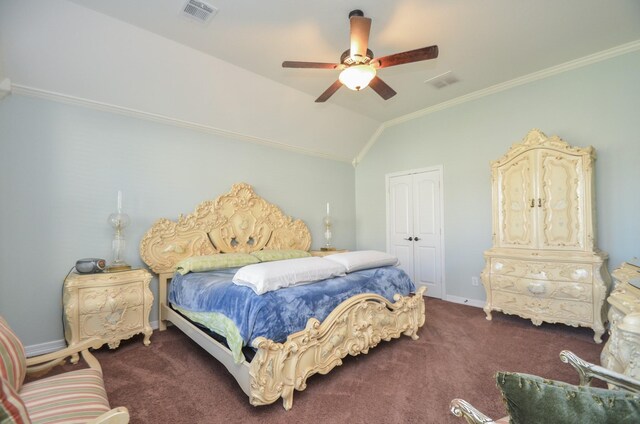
(268,276)
(363,259)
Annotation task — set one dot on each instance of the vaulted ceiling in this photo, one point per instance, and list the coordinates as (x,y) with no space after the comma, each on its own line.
(482,44)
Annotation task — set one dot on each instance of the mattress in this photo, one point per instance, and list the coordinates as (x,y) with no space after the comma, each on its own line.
(238,314)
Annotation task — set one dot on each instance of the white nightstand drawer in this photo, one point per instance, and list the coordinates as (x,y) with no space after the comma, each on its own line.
(108,325)
(101,299)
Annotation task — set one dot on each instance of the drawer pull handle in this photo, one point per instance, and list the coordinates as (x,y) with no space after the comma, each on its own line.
(536,288)
(533,202)
(539,202)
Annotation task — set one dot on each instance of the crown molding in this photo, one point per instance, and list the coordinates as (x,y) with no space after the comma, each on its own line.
(121,110)
(535,76)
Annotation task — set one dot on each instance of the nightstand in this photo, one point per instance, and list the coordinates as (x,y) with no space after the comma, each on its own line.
(621,353)
(326,252)
(112,306)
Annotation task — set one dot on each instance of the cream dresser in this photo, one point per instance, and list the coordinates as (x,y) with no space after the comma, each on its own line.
(544,265)
(621,353)
(112,306)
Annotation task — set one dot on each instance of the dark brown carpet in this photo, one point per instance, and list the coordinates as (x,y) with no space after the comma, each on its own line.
(402,381)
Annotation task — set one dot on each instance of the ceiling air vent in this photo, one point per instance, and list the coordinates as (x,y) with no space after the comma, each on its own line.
(201,11)
(442,80)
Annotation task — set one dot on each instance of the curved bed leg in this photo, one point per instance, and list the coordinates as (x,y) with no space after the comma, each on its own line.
(287,397)
(164,279)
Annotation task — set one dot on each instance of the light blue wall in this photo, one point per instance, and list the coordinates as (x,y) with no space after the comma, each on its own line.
(61,167)
(597,105)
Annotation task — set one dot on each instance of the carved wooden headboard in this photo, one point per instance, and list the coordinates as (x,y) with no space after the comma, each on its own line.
(239,221)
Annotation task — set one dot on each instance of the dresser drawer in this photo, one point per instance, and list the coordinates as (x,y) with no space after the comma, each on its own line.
(112,324)
(581,273)
(550,310)
(543,288)
(105,299)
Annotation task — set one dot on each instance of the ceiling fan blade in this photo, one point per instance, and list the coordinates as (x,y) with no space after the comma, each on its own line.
(382,88)
(360,28)
(315,65)
(329,92)
(416,55)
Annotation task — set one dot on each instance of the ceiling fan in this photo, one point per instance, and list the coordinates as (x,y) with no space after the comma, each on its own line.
(358,64)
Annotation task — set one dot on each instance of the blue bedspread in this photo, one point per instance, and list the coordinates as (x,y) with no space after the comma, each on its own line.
(278,313)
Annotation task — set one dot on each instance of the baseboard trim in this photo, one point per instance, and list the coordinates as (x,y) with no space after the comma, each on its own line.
(55,345)
(43,348)
(465,301)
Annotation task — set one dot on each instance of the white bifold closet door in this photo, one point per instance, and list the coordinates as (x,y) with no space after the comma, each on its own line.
(414,227)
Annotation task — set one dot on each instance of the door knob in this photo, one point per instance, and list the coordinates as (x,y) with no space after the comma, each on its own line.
(410,239)
(416,239)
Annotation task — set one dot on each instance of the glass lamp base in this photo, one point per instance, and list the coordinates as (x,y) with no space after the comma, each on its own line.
(327,249)
(118,267)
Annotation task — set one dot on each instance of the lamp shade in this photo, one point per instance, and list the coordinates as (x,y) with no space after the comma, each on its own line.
(357,77)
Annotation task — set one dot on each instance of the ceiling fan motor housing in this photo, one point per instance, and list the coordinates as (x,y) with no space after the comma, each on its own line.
(346,58)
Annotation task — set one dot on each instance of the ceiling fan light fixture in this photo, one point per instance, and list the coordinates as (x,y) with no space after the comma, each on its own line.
(357,77)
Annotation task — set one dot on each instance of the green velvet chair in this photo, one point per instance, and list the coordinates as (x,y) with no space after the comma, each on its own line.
(530,399)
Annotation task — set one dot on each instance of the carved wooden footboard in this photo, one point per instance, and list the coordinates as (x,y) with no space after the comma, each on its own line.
(357,325)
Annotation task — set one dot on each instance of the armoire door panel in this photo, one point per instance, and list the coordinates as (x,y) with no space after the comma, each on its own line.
(515,211)
(562,202)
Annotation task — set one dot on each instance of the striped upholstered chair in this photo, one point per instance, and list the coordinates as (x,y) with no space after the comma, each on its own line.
(73,397)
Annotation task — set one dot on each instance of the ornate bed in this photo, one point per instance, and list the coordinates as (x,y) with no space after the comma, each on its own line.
(241,221)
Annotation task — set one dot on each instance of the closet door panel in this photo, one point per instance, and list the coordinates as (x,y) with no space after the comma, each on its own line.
(401,221)
(427,223)
(426,267)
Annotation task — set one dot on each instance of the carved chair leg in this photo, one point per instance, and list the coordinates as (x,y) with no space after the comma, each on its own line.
(91,360)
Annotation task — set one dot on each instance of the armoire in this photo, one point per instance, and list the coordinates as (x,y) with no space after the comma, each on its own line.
(544,264)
